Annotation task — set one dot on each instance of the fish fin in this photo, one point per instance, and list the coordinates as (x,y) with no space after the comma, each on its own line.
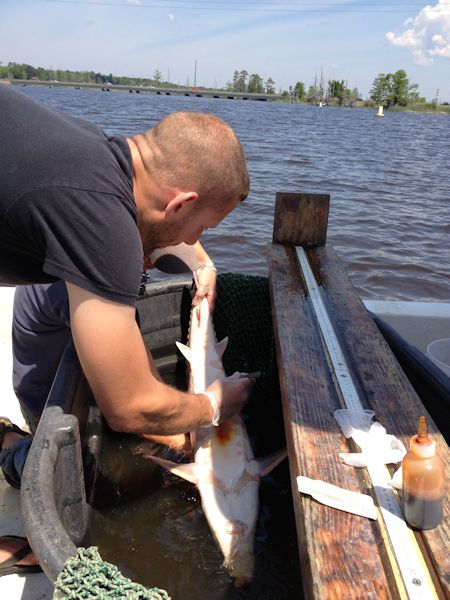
(270,462)
(184,470)
(185,351)
(221,347)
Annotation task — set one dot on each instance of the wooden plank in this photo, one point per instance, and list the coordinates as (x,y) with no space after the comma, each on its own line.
(385,388)
(340,552)
(301,219)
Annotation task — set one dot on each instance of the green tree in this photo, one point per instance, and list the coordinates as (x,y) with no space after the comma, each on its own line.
(299,91)
(400,88)
(41,74)
(16,71)
(394,89)
(336,91)
(242,81)
(255,84)
(270,86)
(157,77)
(239,81)
(413,93)
(99,78)
(29,71)
(313,94)
(235,81)
(355,94)
(381,91)
(350,96)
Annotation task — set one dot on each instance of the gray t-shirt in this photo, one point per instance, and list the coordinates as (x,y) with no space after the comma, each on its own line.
(67,210)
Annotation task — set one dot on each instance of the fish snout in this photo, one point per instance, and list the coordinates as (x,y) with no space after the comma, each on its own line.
(235,527)
(240,560)
(241,566)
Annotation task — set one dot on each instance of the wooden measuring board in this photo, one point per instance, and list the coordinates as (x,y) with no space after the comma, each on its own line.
(342,555)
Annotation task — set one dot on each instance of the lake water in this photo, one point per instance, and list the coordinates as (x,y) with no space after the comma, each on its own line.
(388,180)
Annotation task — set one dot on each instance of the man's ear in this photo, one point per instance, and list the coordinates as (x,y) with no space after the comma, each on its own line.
(179,204)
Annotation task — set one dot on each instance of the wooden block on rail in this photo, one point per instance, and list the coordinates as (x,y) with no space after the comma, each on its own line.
(341,554)
(301,219)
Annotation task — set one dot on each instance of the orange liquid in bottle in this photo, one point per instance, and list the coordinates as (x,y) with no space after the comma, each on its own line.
(423,481)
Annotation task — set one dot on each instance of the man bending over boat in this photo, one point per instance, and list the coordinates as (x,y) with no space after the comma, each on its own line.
(81,214)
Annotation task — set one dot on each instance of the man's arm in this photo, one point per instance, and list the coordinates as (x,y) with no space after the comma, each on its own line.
(114,359)
(200,252)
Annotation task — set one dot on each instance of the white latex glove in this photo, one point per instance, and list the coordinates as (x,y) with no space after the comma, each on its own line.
(376,445)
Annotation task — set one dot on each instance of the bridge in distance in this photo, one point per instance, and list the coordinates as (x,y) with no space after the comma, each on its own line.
(161,91)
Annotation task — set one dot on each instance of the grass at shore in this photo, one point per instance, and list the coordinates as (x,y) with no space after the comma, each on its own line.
(423,108)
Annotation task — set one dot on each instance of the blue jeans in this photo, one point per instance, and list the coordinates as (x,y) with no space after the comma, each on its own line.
(40,333)
(12,460)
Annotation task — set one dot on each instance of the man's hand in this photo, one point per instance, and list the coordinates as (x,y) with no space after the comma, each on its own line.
(181,443)
(205,280)
(230,395)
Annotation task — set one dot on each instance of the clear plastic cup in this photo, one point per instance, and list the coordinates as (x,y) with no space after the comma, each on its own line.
(439,352)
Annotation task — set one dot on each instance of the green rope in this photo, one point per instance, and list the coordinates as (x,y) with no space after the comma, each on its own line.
(87,576)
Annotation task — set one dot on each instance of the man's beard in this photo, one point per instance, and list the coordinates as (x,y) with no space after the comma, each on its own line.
(160,235)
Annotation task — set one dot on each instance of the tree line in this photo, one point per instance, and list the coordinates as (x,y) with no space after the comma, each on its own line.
(250,83)
(388,89)
(336,92)
(23,71)
(391,89)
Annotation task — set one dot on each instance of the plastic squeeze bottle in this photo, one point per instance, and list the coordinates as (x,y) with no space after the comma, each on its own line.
(423,481)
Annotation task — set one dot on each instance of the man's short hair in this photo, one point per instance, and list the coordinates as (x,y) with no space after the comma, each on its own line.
(200,152)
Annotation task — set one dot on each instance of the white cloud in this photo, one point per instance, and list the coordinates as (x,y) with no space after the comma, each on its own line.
(171,17)
(135,2)
(427,34)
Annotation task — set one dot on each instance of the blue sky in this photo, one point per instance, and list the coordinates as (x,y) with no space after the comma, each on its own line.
(290,40)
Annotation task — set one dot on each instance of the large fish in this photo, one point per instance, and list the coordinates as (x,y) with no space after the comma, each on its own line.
(224,468)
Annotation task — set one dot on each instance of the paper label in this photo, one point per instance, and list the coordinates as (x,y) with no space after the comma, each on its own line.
(337,497)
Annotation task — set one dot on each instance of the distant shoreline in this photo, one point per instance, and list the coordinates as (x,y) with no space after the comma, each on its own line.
(211,93)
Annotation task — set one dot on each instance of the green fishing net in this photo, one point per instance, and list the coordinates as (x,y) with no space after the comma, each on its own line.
(243,313)
(86,575)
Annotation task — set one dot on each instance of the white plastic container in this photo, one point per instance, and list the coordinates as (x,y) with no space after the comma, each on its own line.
(439,352)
